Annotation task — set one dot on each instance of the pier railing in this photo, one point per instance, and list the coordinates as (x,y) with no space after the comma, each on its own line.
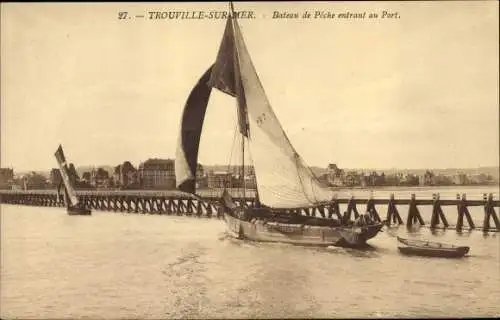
(207,204)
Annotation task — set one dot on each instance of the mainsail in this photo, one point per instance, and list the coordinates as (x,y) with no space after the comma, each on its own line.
(63,168)
(283,178)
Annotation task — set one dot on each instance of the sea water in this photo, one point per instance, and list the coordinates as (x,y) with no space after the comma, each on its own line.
(117,265)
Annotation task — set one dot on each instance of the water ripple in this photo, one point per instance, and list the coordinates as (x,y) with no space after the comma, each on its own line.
(154,267)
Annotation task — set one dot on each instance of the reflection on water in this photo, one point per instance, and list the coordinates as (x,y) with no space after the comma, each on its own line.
(115,265)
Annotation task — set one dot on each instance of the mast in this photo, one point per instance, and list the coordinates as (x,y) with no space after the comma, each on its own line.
(243,168)
(242,172)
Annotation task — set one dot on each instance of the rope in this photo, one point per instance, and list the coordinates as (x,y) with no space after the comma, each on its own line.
(232,147)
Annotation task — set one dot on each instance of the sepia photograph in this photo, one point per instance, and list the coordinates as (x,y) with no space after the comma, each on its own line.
(249,160)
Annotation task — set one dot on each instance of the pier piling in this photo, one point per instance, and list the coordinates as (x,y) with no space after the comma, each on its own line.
(413,213)
(334,208)
(351,207)
(437,212)
(463,211)
(392,212)
(371,210)
(489,211)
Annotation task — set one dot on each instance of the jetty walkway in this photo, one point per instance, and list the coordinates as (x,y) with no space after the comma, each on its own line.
(173,202)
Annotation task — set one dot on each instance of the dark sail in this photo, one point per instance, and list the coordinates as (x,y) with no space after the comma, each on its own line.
(63,168)
(189,138)
(226,74)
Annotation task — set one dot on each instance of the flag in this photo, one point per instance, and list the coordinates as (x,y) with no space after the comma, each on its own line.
(226,76)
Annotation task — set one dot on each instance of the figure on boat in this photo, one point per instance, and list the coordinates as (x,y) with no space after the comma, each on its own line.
(286,186)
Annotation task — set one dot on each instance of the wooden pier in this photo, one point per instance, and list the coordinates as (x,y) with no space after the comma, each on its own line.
(207,205)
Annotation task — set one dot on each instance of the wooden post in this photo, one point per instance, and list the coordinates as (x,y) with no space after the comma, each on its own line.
(306,210)
(321,210)
(413,213)
(313,211)
(220,211)
(335,208)
(435,216)
(209,209)
(199,210)
(392,212)
(371,210)
(463,210)
(493,213)
(351,207)
(437,212)
(129,204)
(160,202)
(489,211)
(460,217)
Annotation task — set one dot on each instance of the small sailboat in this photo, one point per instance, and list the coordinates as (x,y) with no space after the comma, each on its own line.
(73,205)
(431,249)
(285,183)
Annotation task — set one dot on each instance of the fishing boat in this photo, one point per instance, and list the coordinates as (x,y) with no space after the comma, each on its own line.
(285,184)
(73,205)
(431,249)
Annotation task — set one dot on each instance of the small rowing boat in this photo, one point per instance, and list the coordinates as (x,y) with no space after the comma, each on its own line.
(431,249)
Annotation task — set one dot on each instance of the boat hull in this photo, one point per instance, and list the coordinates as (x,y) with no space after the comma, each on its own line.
(437,253)
(431,249)
(300,234)
(74,211)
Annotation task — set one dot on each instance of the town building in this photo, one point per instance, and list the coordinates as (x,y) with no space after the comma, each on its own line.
(368,179)
(99,178)
(460,179)
(201,178)
(86,177)
(428,179)
(6,178)
(35,181)
(480,178)
(220,179)
(352,178)
(335,176)
(157,174)
(55,177)
(126,176)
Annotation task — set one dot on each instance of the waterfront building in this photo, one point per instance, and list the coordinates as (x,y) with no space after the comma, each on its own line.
(480,178)
(371,179)
(86,177)
(126,176)
(335,175)
(55,177)
(157,174)
(6,178)
(428,179)
(460,178)
(201,178)
(35,181)
(99,178)
(220,179)
(352,178)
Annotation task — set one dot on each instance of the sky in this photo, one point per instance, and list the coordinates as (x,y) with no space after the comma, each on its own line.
(418,91)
